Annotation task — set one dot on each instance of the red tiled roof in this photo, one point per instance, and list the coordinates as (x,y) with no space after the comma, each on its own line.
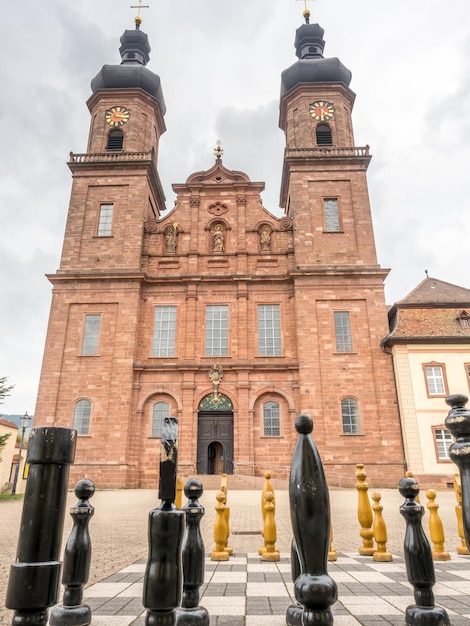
(5,422)
(432,323)
(437,292)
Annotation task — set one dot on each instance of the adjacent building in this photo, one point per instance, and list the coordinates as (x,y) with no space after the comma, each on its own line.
(217,311)
(430,343)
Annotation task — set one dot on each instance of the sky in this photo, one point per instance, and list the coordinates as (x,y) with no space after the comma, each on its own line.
(220,65)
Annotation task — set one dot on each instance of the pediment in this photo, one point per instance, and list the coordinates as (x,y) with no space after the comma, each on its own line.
(217,175)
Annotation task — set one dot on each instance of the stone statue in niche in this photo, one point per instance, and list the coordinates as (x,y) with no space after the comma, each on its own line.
(265,237)
(171,238)
(218,239)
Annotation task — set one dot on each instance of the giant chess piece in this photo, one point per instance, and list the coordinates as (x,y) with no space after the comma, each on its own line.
(315,591)
(193,559)
(458,422)
(77,559)
(419,563)
(163,580)
(34,580)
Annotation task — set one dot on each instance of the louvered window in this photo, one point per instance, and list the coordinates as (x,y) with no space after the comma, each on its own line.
(115,140)
(324,135)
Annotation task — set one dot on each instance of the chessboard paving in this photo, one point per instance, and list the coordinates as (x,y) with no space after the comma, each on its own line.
(246,591)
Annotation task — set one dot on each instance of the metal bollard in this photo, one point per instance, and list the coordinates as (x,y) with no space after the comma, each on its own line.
(315,590)
(33,585)
(419,563)
(163,580)
(77,559)
(193,559)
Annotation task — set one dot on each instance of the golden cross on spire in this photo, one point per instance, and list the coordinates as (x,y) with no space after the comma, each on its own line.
(306,12)
(138,18)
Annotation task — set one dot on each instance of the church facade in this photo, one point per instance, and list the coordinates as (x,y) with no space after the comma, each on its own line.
(218,312)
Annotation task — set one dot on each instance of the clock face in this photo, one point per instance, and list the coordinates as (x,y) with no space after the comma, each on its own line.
(117,116)
(322,110)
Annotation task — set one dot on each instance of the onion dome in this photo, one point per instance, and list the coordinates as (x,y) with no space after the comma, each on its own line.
(131,73)
(312,67)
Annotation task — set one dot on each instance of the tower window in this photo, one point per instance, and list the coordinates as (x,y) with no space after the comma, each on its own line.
(324,135)
(106,220)
(343,331)
(91,335)
(115,140)
(331,215)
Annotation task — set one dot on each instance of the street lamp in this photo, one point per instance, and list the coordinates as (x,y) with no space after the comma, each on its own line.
(24,421)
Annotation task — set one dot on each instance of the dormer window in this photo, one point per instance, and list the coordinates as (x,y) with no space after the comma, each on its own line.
(464,319)
(324,135)
(115,140)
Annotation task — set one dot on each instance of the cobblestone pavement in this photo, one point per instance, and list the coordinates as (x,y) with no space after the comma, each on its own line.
(119,526)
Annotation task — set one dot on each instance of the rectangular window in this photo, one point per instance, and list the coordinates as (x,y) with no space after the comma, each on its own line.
(350,416)
(435,381)
(331,215)
(91,335)
(106,220)
(217,330)
(164,331)
(443,440)
(81,417)
(343,331)
(269,330)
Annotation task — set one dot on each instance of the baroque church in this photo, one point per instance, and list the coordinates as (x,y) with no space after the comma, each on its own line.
(216,311)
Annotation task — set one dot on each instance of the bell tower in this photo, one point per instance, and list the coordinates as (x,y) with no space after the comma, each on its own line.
(340,314)
(87,371)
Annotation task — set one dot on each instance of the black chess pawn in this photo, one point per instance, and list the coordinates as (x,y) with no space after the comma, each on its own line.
(190,613)
(419,563)
(77,559)
(315,590)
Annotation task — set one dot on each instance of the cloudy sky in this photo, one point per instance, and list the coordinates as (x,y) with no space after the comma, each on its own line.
(220,64)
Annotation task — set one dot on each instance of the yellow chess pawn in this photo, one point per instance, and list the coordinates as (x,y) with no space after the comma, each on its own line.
(364,513)
(436,529)
(271,553)
(380,530)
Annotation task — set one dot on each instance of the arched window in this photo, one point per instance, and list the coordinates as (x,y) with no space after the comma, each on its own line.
(115,140)
(350,416)
(81,417)
(271,419)
(324,135)
(160,411)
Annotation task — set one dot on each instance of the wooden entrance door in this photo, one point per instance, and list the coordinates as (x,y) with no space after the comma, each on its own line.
(215,442)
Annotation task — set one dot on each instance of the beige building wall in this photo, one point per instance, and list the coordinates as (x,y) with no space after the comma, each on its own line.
(420,412)
(9,455)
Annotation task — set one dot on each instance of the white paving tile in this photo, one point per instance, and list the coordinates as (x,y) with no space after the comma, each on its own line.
(228,577)
(266,620)
(105,590)
(342,577)
(228,605)
(345,620)
(134,591)
(112,620)
(369,605)
(451,589)
(263,567)
(136,568)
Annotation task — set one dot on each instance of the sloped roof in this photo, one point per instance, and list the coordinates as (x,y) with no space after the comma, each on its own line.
(9,423)
(430,313)
(434,292)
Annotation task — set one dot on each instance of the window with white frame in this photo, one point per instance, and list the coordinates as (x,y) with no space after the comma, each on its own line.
(82,416)
(160,411)
(217,330)
(105,222)
(331,215)
(271,419)
(91,335)
(350,416)
(343,331)
(164,331)
(269,330)
(435,379)
(443,440)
